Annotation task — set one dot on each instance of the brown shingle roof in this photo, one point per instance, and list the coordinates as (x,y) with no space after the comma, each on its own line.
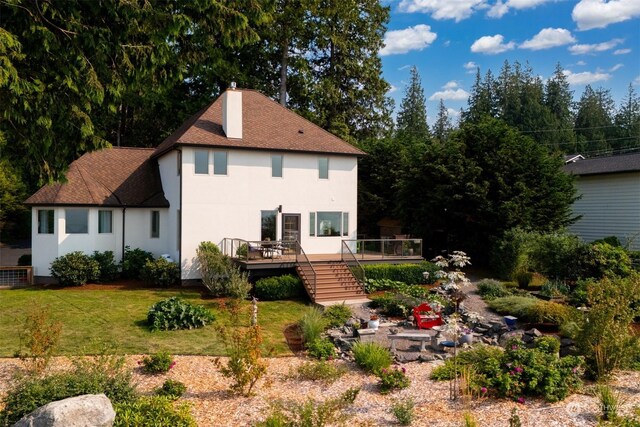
(109,177)
(266,125)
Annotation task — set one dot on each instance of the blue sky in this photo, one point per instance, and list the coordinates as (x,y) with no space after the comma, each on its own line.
(597,42)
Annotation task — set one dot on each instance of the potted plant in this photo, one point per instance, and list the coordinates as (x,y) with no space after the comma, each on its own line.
(374,322)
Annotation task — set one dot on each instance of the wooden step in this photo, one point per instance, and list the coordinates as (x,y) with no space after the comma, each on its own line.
(334,281)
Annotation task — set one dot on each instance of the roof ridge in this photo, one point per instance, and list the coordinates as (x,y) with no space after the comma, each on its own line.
(99,182)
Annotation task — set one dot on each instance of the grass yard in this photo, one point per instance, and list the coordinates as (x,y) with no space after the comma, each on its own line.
(115,320)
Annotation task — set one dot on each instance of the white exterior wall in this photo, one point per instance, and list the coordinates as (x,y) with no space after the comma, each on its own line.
(610,206)
(215,206)
(47,247)
(168,166)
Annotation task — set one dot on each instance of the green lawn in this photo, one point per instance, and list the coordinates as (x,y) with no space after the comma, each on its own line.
(115,319)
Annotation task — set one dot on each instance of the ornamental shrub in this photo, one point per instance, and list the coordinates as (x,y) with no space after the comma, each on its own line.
(108,265)
(322,349)
(395,305)
(174,313)
(408,273)
(558,256)
(554,288)
(550,312)
(171,389)
(322,370)
(371,356)
(518,306)
(157,363)
(547,344)
(245,364)
(490,289)
(152,411)
(374,285)
(75,269)
(160,272)
(312,324)
(337,315)
(278,288)
(133,262)
(404,411)
(604,260)
(215,267)
(104,374)
(393,379)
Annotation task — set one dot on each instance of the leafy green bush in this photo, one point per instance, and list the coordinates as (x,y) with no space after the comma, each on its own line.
(101,375)
(75,269)
(320,371)
(518,371)
(371,356)
(554,288)
(215,267)
(278,288)
(312,324)
(395,305)
(393,379)
(171,389)
(158,363)
(237,286)
(547,344)
(558,256)
(404,411)
(337,315)
(374,285)
(24,260)
(407,273)
(160,272)
(133,262)
(604,260)
(550,312)
(108,266)
(510,253)
(518,306)
(322,349)
(242,251)
(153,411)
(175,313)
(491,289)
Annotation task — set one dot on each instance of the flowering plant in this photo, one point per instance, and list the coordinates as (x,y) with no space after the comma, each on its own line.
(454,276)
(393,379)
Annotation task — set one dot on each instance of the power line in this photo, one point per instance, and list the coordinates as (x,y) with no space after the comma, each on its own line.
(568,128)
(587,142)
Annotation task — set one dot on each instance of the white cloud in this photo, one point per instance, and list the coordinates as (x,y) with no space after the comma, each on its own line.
(615,67)
(392,89)
(491,45)
(443,9)
(548,38)
(470,67)
(412,38)
(454,114)
(584,49)
(451,92)
(404,67)
(622,51)
(589,14)
(636,81)
(586,77)
(499,9)
(581,63)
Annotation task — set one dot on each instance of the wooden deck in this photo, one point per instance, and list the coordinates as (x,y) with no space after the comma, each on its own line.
(289,260)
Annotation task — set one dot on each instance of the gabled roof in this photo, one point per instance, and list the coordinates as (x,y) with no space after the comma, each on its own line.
(571,158)
(109,177)
(605,165)
(266,125)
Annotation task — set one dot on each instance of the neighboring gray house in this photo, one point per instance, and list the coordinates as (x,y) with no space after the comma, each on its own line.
(610,198)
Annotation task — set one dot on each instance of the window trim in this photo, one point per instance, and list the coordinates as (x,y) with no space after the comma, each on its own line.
(155,221)
(50,221)
(110,221)
(281,156)
(226,165)
(314,221)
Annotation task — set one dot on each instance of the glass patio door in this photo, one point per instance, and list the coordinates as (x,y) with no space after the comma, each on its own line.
(291,227)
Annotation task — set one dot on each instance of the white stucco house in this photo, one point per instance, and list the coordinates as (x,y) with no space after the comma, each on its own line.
(609,204)
(243,167)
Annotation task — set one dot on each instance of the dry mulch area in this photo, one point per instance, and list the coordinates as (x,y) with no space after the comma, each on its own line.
(212,405)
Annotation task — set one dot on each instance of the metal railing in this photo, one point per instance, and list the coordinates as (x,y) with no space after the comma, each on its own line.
(260,250)
(306,268)
(352,262)
(385,248)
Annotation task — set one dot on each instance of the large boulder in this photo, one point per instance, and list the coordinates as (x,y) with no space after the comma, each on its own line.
(89,410)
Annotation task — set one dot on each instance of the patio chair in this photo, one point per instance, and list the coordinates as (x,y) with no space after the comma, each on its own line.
(425,317)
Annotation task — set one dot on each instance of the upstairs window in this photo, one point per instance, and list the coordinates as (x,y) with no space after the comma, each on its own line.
(202,162)
(105,222)
(276,165)
(323,168)
(77,221)
(155,224)
(219,162)
(45,221)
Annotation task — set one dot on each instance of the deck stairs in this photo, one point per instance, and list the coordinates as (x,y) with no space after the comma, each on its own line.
(334,282)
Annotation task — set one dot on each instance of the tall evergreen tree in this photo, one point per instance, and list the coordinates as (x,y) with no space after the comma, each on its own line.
(443,126)
(558,98)
(412,124)
(627,121)
(594,121)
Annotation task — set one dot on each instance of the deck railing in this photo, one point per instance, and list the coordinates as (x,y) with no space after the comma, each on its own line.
(385,248)
(260,250)
(306,268)
(349,258)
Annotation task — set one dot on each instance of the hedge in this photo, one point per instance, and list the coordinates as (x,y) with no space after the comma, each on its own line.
(278,287)
(411,274)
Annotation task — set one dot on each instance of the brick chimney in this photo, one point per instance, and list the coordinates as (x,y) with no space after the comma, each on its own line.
(232,112)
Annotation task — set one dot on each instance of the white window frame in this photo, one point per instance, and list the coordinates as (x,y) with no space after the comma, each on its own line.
(316,222)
